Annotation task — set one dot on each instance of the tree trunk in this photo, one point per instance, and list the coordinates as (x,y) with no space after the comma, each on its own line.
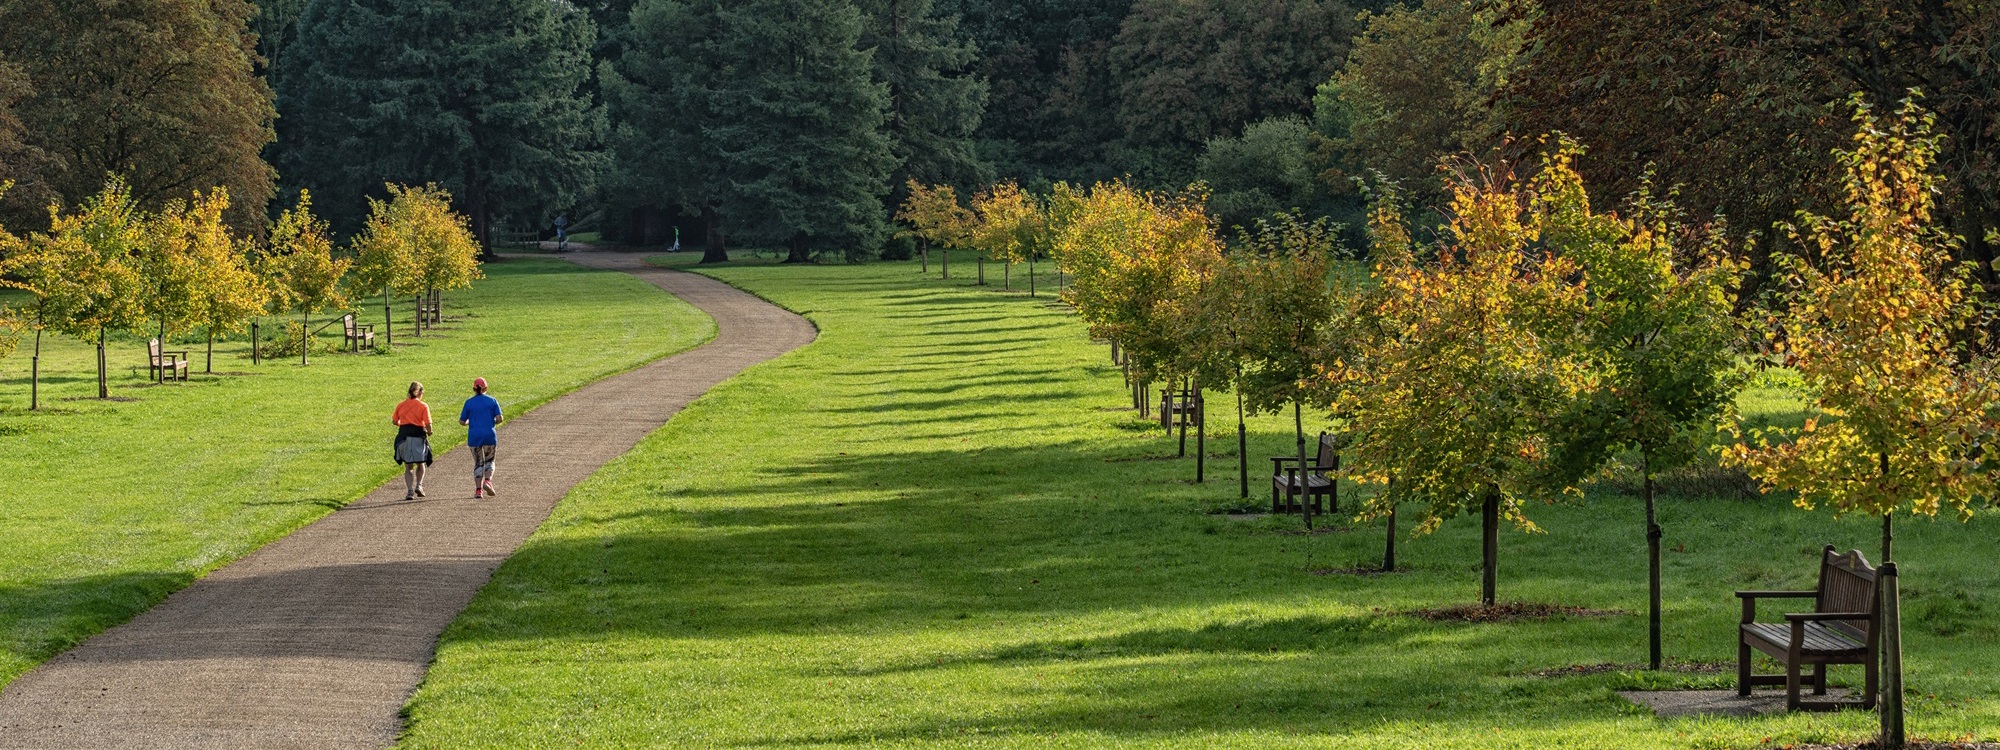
(944,264)
(1007,276)
(305,335)
(388,322)
(208,366)
(418,324)
(1200,438)
(1242,443)
(1031,276)
(982,270)
(1389,547)
(714,251)
(1299,430)
(35,370)
(480,216)
(103,385)
(160,373)
(1653,534)
(1489,517)
(801,249)
(924,255)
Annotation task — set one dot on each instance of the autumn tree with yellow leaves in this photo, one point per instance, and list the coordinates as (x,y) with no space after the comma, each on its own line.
(414,243)
(935,216)
(1448,411)
(305,277)
(1879,322)
(82,273)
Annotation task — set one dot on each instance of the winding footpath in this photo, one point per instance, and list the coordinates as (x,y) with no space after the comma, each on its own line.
(317,640)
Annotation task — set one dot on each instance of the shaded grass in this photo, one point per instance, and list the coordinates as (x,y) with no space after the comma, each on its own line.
(107,507)
(929,529)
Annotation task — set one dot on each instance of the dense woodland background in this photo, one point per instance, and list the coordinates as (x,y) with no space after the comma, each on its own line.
(796,123)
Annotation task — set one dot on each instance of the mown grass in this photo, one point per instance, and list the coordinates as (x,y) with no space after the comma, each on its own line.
(108,506)
(936,527)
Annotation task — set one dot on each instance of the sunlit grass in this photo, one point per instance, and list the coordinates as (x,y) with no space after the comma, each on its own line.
(106,507)
(935,527)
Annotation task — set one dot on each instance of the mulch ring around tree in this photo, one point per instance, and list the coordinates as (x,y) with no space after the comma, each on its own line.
(1509,612)
(1683,667)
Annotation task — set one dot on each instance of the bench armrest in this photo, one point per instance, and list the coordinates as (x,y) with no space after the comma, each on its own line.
(1817,616)
(182,355)
(1750,600)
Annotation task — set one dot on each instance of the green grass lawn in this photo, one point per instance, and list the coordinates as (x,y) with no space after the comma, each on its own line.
(936,527)
(106,507)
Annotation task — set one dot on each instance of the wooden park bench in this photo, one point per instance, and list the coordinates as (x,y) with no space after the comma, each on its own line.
(1840,629)
(357,334)
(430,308)
(165,365)
(1182,407)
(1291,487)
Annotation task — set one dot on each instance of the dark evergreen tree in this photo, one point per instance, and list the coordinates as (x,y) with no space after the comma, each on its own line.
(1188,71)
(762,113)
(1051,108)
(488,98)
(274,26)
(935,103)
(800,126)
(661,94)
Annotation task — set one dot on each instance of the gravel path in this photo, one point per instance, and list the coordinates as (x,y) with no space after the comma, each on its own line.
(318,639)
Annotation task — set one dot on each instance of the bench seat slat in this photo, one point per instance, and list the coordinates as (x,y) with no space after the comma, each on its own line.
(1819,639)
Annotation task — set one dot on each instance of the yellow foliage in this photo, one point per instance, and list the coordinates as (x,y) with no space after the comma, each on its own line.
(1462,357)
(935,215)
(1877,332)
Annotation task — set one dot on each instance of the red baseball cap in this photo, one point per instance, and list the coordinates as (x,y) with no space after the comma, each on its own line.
(479,383)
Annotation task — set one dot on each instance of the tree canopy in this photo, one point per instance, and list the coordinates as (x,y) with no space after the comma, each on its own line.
(163,93)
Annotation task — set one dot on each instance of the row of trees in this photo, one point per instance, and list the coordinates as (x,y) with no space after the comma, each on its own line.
(1539,340)
(108,266)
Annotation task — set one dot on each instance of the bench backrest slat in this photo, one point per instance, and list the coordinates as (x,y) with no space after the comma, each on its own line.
(1329,454)
(1847,584)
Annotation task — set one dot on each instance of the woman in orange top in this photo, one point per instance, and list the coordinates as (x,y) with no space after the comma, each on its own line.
(413,445)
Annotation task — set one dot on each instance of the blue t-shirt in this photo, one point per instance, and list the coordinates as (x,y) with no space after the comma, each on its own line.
(479,414)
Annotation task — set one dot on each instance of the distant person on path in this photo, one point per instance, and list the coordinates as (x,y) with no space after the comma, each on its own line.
(480,415)
(562,233)
(413,440)
(677,241)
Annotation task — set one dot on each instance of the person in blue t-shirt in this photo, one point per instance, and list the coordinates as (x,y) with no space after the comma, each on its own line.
(480,415)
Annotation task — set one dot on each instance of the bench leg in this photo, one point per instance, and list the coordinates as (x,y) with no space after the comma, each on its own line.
(1792,686)
(1872,682)
(1819,679)
(1742,667)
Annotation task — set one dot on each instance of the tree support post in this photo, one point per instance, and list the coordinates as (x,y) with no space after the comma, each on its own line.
(1892,659)
(1305,497)
(1489,517)
(35,372)
(1653,537)
(1200,438)
(256,344)
(1389,547)
(103,386)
